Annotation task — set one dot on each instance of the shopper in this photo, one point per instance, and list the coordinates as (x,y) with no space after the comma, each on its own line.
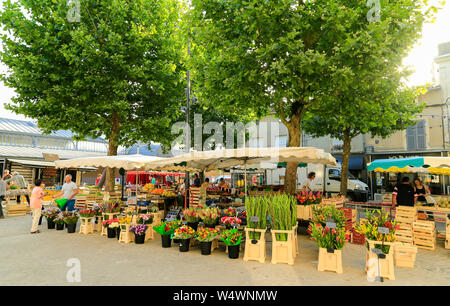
(196,181)
(6,175)
(37,196)
(69,192)
(2,195)
(153,180)
(99,177)
(421,190)
(404,194)
(307,185)
(20,182)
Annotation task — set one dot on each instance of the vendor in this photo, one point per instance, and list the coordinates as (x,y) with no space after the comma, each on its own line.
(224,184)
(404,194)
(197,181)
(307,185)
(203,188)
(421,190)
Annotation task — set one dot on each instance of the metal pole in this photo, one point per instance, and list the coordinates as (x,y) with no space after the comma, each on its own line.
(188,135)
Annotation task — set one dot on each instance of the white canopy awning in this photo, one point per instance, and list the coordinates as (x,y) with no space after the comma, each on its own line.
(128,162)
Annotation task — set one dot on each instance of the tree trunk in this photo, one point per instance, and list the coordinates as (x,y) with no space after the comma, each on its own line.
(345,161)
(290,178)
(112,150)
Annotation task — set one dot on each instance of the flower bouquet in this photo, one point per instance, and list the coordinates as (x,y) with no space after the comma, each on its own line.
(232,238)
(71,219)
(139,233)
(50,214)
(184,234)
(87,213)
(330,239)
(230,221)
(110,207)
(112,225)
(309,197)
(165,229)
(206,236)
(59,221)
(145,219)
(209,216)
(230,212)
(370,228)
(191,215)
(124,220)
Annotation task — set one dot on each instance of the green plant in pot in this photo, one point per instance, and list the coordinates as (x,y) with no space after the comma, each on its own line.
(256,207)
(282,210)
(232,238)
(59,221)
(71,219)
(328,228)
(166,229)
(206,236)
(209,216)
(184,234)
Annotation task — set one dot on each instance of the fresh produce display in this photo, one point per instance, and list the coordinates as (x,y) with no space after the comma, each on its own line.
(154,209)
(443,202)
(257,207)
(158,191)
(370,229)
(213,188)
(184,232)
(325,237)
(169,194)
(206,234)
(283,213)
(148,188)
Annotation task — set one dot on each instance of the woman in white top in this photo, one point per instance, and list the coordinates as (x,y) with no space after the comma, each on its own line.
(307,185)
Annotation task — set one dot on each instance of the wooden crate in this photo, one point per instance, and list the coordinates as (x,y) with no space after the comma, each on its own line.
(87,226)
(330,261)
(283,251)
(425,234)
(255,251)
(304,212)
(125,235)
(404,254)
(404,236)
(17,210)
(195,195)
(386,265)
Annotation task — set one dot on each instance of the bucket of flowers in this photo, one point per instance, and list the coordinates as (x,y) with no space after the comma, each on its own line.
(145,219)
(71,219)
(184,234)
(87,213)
(50,214)
(112,225)
(243,217)
(59,221)
(229,222)
(110,207)
(206,236)
(166,229)
(209,216)
(192,216)
(139,233)
(230,212)
(232,238)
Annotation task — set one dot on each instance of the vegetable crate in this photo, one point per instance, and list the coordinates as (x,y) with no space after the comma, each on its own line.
(80,202)
(17,209)
(330,261)
(385,265)
(350,218)
(404,254)
(283,251)
(425,235)
(357,238)
(255,251)
(405,216)
(87,225)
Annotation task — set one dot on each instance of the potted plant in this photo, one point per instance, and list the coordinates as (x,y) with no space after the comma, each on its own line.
(255,242)
(71,220)
(306,201)
(232,238)
(328,231)
(87,213)
(50,214)
(192,216)
(243,217)
(112,225)
(184,233)
(230,212)
(59,221)
(206,236)
(110,207)
(209,216)
(139,233)
(145,219)
(166,229)
(229,222)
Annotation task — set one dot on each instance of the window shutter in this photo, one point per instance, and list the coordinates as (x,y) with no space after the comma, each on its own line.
(411,138)
(421,137)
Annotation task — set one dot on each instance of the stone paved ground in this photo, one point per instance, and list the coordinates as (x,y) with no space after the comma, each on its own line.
(41,260)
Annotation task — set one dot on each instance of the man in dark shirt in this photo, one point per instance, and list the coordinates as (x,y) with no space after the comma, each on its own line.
(404,194)
(197,182)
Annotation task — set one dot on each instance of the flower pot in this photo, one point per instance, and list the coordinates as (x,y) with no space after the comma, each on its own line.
(118,233)
(59,226)
(330,260)
(184,245)
(205,247)
(111,232)
(50,224)
(139,239)
(193,225)
(176,241)
(166,241)
(71,228)
(233,251)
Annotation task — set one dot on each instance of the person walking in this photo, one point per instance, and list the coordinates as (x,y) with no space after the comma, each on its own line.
(404,194)
(307,184)
(20,182)
(37,196)
(69,191)
(421,190)
(2,195)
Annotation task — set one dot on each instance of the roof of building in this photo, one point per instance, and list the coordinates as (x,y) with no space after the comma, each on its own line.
(36,153)
(30,128)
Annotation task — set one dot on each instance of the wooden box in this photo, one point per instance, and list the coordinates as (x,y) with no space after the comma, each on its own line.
(330,261)
(304,212)
(17,209)
(386,265)
(255,251)
(425,234)
(87,226)
(404,254)
(125,235)
(283,251)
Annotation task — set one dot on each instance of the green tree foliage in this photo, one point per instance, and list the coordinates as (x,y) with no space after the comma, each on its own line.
(283,56)
(115,73)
